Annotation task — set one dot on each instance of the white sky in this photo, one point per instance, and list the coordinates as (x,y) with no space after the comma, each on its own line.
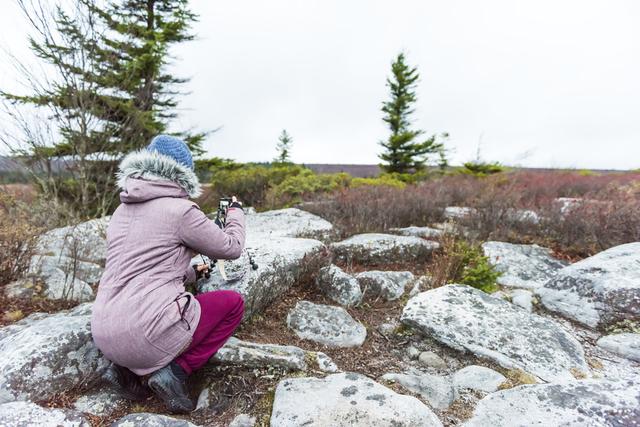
(546,83)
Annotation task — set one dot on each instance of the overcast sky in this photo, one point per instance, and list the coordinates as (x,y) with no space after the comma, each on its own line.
(546,83)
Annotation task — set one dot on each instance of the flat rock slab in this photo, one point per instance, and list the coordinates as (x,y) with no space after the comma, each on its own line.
(145,419)
(379,249)
(522,266)
(423,232)
(46,354)
(437,391)
(339,286)
(288,223)
(254,355)
(626,345)
(583,403)
(28,414)
(478,378)
(467,319)
(346,400)
(99,402)
(390,285)
(598,291)
(325,324)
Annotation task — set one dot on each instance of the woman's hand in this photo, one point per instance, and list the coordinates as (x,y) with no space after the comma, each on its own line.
(201,270)
(235,203)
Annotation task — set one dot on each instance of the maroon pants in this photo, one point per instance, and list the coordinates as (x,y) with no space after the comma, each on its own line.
(221,313)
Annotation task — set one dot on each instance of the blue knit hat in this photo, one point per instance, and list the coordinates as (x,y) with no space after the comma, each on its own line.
(172,147)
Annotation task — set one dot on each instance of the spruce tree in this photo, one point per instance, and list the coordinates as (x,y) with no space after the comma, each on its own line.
(403,153)
(284,148)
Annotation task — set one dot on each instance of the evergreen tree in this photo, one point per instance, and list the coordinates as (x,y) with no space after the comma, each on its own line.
(284,148)
(403,154)
(107,91)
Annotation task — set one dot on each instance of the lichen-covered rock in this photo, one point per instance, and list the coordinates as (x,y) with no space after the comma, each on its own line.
(431,360)
(254,355)
(598,291)
(389,285)
(626,345)
(522,298)
(281,258)
(146,419)
(467,319)
(339,286)
(380,249)
(437,391)
(325,363)
(423,232)
(478,378)
(28,414)
(583,403)
(85,241)
(243,420)
(46,354)
(99,402)
(325,324)
(458,212)
(522,266)
(346,400)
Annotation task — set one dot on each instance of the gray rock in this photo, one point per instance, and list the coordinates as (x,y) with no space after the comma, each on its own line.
(523,215)
(478,378)
(27,414)
(379,249)
(388,328)
(146,419)
(421,284)
(339,286)
(432,360)
(243,420)
(626,345)
(583,403)
(327,325)
(522,266)
(412,352)
(467,319)
(85,241)
(390,285)
(423,232)
(254,355)
(282,259)
(46,354)
(458,212)
(346,400)
(598,291)
(437,391)
(99,402)
(325,363)
(522,298)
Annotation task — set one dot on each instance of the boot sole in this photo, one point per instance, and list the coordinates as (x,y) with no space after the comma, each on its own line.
(173,405)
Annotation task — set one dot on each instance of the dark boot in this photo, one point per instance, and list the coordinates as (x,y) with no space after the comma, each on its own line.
(169,385)
(126,383)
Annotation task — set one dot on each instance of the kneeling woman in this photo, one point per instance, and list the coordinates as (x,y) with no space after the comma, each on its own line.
(143,320)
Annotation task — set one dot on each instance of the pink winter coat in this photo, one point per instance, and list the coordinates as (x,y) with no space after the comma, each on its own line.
(142,317)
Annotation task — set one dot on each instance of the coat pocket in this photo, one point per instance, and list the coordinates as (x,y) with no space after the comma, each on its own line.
(168,332)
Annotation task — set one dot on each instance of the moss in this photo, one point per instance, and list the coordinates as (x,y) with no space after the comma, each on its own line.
(516,377)
(264,408)
(626,325)
(403,330)
(13,316)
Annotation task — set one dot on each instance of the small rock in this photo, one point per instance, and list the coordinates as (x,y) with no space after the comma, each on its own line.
(432,360)
(437,391)
(389,285)
(346,400)
(325,364)
(522,298)
(421,284)
(458,212)
(423,232)
(325,324)
(388,328)
(380,249)
(145,419)
(478,378)
(413,352)
(254,355)
(100,402)
(339,286)
(626,345)
(243,420)
(29,414)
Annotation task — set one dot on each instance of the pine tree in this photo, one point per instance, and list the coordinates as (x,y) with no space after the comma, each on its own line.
(284,148)
(109,91)
(402,153)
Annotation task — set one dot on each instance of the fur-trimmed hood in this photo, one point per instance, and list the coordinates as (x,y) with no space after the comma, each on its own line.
(153,166)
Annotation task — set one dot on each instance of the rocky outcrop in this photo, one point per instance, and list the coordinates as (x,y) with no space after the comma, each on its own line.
(145,419)
(46,354)
(626,345)
(389,285)
(467,319)
(339,286)
(282,258)
(478,378)
(380,249)
(85,241)
(27,414)
(588,402)
(327,325)
(437,391)
(522,266)
(598,291)
(99,402)
(346,400)
(423,232)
